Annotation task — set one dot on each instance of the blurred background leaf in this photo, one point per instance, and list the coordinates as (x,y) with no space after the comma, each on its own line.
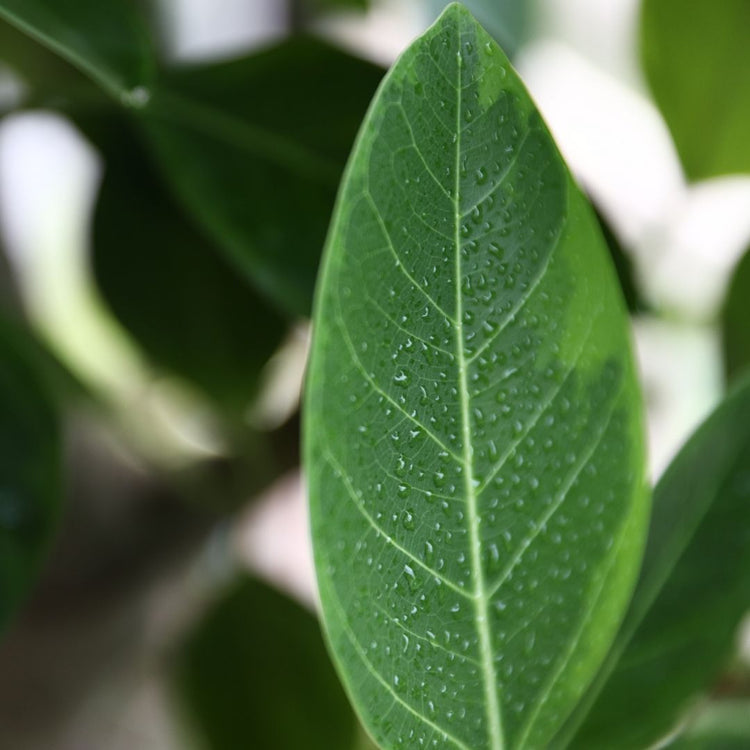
(60,384)
(694,589)
(255,147)
(255,674)
(107,41)
(175,294)
(719,725)
(623,266)
(10,301)
(29,473)
(695,56)
(735,321)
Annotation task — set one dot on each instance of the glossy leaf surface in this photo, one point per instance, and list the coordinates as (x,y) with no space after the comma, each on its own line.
(697,64)
(505,20)
(181,300)
(255,674)
(255,148)
(694,588)
(735,321)
(105,40)
(29,474)
(473,431)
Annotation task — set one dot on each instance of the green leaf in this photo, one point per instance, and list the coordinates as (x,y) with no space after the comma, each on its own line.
(696,62)
(168,285)
(105,40)
(734,320)
(255,674)
(506,20)
(693,591)
(255,148)
(45,75)
(722,725)
(473,436)
(10,301)
(16,334)
(340,4)
(63,386)
(623,265)
(29,474)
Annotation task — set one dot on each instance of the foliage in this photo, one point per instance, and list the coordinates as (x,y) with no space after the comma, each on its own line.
(473,417)
(451,489)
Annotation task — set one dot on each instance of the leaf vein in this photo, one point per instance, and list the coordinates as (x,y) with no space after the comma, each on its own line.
(399,262)
(341,473)
(544,406)
(373,384)
(416,635)
(522,300)
(351,635)
(501,178)
(539,526)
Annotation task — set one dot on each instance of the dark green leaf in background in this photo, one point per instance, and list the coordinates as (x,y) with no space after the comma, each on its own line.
(16,333)
(695,55)
(107,41)
(735,321)
(58,381)
(29,474)
(473,433)
(255,674)
(694,589)
(506,20)
(167,284)
(623,265)
(9,298)
(255,148)
(48,79)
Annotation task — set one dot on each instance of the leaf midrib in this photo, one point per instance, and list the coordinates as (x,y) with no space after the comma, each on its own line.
(481,601)
(97,71)
(256,140)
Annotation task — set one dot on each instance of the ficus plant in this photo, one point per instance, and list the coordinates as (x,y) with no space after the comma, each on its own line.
(495,570)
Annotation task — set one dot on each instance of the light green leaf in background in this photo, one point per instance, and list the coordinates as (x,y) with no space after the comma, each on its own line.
(506,20)
(338,4)
(108,41)
(179,297)
(735,321)
(473,428)
(694,589)
(695,56)
(721,725)
(29,473)
(254,673)
(255,148)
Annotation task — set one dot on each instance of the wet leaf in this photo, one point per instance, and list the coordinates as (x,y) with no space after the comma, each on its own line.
(697,65)
(255,148)
(255,674)
(106,41)
(506,20)
(473,435)
(29,474)
(734,321)
(694,589)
